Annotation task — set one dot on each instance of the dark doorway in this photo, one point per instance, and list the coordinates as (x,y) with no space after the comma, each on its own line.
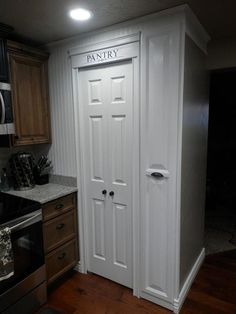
(221,165)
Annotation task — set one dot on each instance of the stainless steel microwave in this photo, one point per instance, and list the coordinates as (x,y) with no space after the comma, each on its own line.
(6,112)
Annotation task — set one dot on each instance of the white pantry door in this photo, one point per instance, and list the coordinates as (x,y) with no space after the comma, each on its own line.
(106,98)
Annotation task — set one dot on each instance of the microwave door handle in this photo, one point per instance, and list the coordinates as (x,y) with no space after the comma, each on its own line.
(27,222)
(3,109)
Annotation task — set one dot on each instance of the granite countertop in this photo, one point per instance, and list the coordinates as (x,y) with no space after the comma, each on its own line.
(44,193)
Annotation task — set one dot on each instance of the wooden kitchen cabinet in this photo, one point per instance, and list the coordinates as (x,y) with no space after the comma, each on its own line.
(59,261)
(60,236)
(3,62)
(29,83)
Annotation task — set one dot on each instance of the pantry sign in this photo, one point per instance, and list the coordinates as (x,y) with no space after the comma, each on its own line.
(101,56)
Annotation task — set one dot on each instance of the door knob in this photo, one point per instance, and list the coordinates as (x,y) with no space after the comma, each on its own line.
(104,192)
(111,193)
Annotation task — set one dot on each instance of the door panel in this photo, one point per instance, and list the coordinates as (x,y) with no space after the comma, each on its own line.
(98,229)
(97,148)
(92,87)
(156,201)
(106,97)
(118,145)
(156,192)
(95,92)
(159,134)
(119,235)
(118,89)
(120,126)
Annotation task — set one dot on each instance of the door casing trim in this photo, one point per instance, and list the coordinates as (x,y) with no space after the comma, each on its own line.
(131,51)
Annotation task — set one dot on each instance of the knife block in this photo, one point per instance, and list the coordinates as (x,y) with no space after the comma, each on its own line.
(40,179)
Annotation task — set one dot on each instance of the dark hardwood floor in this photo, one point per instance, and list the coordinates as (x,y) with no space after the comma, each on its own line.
(213,292)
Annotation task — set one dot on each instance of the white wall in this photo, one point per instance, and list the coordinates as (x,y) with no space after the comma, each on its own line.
(221,54)
(62,151)
(194,152)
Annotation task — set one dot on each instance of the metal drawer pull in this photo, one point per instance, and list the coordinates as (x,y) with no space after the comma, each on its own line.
(61,256)
(59,206)
(60,226)
(157,175)
(158,171)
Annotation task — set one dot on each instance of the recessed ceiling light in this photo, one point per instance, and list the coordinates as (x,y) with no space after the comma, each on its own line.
(80,14)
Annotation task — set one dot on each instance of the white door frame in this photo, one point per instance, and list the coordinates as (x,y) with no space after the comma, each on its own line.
(120,49)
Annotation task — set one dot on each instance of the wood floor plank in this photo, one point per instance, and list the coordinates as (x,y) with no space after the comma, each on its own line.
(213,292)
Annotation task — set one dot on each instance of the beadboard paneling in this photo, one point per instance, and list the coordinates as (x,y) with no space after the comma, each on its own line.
(62,151)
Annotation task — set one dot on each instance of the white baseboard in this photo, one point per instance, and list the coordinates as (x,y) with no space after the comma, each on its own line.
(188,282)
(157,301)
(78,268)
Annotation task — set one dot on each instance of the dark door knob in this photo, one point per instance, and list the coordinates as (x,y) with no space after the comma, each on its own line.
(111,193)
(104,192)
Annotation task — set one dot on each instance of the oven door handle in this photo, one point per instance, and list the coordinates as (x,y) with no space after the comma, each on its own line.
(27,222)
(3,110)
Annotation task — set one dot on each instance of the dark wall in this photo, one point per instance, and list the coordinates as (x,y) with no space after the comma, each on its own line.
(221,168)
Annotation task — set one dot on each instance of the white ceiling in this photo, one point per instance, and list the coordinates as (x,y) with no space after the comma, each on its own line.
(44,21)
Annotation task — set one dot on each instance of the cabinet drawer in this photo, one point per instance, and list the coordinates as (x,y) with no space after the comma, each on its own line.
(59,230)
(59,206)
(61,260)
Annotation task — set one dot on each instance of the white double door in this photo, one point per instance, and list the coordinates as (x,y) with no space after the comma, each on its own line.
(106,102)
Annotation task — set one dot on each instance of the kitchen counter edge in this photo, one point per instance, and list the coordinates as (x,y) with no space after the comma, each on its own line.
(45,193)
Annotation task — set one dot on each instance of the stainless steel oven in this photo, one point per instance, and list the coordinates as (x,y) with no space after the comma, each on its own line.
(25,291)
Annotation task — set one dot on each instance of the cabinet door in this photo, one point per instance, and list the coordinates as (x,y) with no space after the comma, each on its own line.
(30,99)
(3,62)
(159,131)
